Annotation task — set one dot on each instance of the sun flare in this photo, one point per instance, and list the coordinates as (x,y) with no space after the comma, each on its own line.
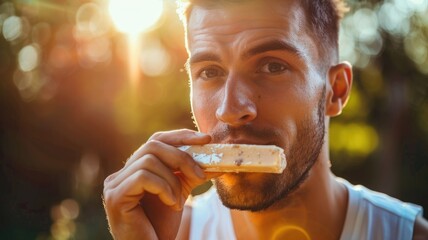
(135,16)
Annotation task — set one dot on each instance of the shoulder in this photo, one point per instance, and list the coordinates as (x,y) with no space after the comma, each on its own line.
(380,203)
(372,213)
(420,230)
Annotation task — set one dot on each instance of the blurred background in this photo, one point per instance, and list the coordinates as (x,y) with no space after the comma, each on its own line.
(84,83)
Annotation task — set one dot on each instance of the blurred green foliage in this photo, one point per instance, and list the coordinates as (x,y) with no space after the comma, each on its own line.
(70,114)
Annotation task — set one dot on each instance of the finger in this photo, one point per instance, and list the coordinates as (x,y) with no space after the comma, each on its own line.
(181,137)
(173,158)
(111,177)
(174,138)
(188,186)
(150,163)
(144,181)
(211,175)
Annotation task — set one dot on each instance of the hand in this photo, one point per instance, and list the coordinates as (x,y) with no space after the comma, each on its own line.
(144,200)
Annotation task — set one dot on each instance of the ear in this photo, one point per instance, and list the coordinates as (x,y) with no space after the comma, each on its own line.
(339,88)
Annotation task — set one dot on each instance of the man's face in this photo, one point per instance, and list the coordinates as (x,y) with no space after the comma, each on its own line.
(254,81)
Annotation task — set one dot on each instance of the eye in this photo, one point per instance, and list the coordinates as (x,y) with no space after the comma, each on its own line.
(273,67)
(210,73)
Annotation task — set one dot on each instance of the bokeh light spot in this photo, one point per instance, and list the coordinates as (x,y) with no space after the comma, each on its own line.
(63,229)
(21,82)
(154,59)
(63,216)
(357,139)
(69,209)
(97,50)
(89,168)
(418,5)
(28,58)
(393,20)
(90,21)
(29,84)
(416,47)
(367,23)
(12,28)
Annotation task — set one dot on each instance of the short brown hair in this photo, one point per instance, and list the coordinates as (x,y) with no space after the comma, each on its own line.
(323,16)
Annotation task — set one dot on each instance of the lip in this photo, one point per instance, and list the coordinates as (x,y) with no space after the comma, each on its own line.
(245,141)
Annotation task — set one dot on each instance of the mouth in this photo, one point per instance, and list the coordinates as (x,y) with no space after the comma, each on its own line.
(246,141)
(247,134)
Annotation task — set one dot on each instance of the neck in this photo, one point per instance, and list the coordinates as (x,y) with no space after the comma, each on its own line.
(316,210)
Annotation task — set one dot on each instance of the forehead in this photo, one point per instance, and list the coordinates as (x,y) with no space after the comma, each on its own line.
(245,9)
(253,20)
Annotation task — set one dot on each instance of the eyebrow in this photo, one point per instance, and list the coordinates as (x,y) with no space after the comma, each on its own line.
(273,45)
(203,57)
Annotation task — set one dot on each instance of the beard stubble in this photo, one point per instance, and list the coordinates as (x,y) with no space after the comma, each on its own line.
(256,191)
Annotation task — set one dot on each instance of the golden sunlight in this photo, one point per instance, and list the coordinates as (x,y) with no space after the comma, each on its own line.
(135,16)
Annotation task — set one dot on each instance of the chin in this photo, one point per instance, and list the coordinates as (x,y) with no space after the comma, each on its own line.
(249,191)
(244,180)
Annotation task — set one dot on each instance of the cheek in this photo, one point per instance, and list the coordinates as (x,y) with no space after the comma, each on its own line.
(283,103)
(285,108)
(203,109)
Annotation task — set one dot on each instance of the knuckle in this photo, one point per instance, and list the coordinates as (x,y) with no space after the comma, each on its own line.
(156,135)
(152,144)
(141,175)
(148,160)
(180,161)
(176,184)
(186,158)
(108,197)
(108,179)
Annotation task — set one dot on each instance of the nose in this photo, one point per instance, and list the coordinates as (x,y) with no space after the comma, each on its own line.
(237,107)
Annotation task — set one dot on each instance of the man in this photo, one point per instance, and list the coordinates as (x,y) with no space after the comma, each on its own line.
(262,72)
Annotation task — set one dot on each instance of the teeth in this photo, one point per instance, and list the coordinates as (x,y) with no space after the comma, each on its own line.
(238,157)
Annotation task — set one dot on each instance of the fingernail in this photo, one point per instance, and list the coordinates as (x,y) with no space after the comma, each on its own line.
(199,172)
(178,207)
(200,134)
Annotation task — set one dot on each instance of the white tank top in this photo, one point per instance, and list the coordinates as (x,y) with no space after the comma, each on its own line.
(370,215)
